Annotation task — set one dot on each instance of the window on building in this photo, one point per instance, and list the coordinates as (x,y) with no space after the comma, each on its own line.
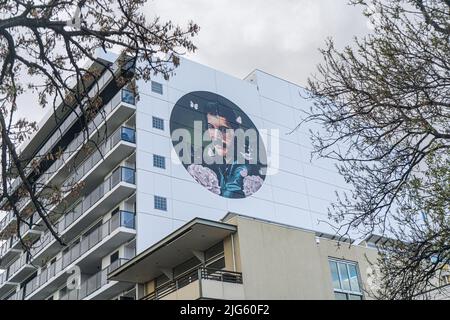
(217,264)
(158,123)
(161,280)
(160,203)
(186,267)
(115,211)
(214,252)
(345,278)
(159,161)
(114,257)
(157,87)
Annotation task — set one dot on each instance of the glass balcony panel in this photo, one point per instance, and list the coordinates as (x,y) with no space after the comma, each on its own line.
(83,290)
(115,221)
(127,219)
(128,134)
(128,175)
(84,245)
(128,96)
(66,259)
(122,218)
(123,95)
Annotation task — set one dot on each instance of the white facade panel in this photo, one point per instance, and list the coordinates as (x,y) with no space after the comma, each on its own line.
(297,194)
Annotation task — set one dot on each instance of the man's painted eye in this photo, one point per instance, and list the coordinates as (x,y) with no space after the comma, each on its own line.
(223,130)
(210,126)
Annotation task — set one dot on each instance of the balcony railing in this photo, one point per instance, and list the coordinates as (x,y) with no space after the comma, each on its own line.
(121,174)
(3,278)
(123,95)
(121,219)
(17,265)
(5,247)
(94,283)
(197,274)
(17,296)
(6,220)
(121,134)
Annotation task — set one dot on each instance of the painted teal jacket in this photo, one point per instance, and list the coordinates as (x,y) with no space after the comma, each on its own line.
(231,179)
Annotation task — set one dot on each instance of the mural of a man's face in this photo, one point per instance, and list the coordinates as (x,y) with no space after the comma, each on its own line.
(221,134)
(206,135)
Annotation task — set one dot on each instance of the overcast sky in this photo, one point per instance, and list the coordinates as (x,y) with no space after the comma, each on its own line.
(281,37)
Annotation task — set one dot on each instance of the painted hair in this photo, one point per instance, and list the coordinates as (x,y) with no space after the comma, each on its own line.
(219,110)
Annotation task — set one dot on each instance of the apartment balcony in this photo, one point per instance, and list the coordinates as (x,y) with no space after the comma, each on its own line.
(113,114)
(202,283)
(84,253)
(7,225)
(5,285)
(17,295)
(98,287)
(13,246)
(7,254)
(20,269)
(120,145)
(119,186)
(92,170)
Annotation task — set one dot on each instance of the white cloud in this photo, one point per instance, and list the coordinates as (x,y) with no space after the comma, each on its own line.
(281,37)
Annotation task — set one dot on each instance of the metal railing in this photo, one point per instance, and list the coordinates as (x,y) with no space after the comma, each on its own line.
(81,137)
(5,247)
(192,276)
(121,219)
(17,265)
(6,220)
(121,174)
(17,296)
(123,95)
(3,278)
(121,134)
(94,282)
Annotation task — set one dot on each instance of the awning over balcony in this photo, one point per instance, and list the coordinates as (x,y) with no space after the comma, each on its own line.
(197,235)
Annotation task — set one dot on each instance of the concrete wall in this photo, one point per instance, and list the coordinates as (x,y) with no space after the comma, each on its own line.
(279,262)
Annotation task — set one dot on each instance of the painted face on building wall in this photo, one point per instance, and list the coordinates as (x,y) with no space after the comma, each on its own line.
(220,134)
(218,144)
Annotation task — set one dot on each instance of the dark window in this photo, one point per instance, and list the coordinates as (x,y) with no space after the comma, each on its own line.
(114,257)
(114,212)
(186,266)
(217,264)
(157,87)
(162,279)
(214,251)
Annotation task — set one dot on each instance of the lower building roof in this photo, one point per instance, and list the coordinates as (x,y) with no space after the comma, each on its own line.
(195,236)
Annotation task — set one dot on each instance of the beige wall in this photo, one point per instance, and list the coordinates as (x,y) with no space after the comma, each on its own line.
(232,257)
(279,262)
(149,287)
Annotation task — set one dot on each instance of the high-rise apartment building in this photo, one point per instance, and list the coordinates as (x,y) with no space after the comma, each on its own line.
(146,175)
